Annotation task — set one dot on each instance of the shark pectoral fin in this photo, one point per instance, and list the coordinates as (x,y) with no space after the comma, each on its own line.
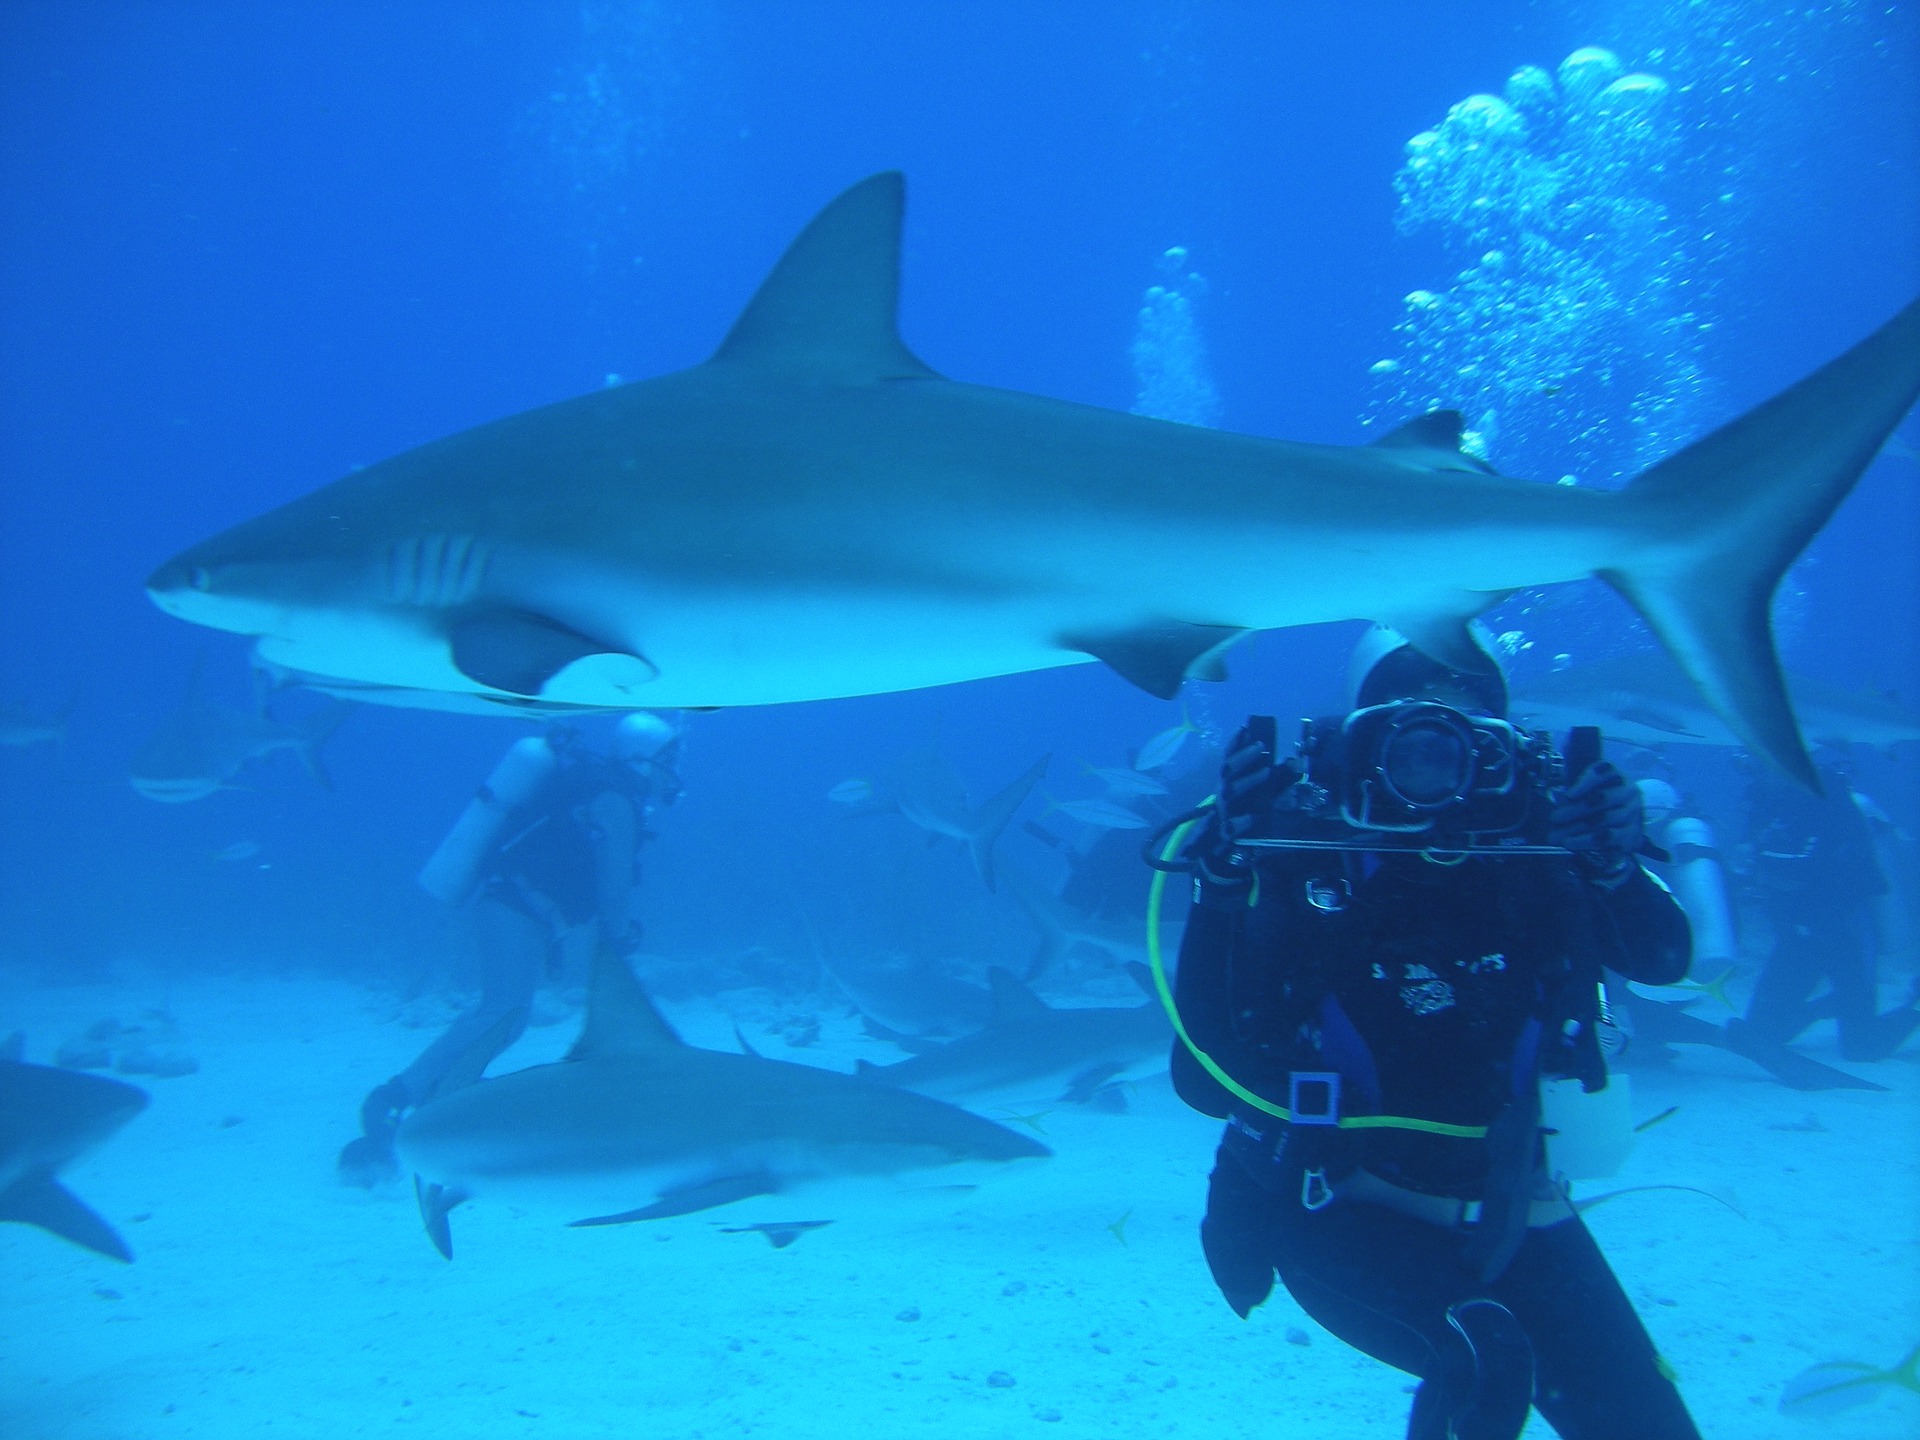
(1159,655)
(435,1202)
(708,1194)
(779,1233)
(519,652)
(46,1203)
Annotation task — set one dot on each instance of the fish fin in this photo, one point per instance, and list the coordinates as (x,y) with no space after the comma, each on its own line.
(1721,521)
(520,653)
(991,818)
(691,1198)
(1084,1086)
(1445,636)
(1012,1000)
(436,1201)
(1435,438)
(779,1233)
(746,1045)
(621,1020)
(867,1070)
(1654,720)
(1159,655)
(827,310)
(44,1202)
(315,732)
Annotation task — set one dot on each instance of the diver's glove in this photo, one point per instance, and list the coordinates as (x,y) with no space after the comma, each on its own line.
(1601,818)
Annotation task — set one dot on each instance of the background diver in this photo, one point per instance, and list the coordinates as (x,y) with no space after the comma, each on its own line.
(547,848)
(1403,1008)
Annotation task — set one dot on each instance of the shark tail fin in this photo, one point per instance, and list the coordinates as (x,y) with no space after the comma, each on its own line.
(991,818)
(315,733)
(1719,523)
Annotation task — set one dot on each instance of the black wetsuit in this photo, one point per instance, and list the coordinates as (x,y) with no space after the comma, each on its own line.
(1818,879)
(1441,993)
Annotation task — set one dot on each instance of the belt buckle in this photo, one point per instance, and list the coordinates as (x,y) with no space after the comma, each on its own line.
(1313,1097)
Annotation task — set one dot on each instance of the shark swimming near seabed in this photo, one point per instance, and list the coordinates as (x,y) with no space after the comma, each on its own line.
(49,1118)
(1643,700)
(202,745)
(637,1125)
(925,789)
(814,512)
(1031,1051)
(22,726)
(906,998)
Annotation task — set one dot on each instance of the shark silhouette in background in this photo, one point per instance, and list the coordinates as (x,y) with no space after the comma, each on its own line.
(637,1125)
(49,1118)
(814,512)
(203,745)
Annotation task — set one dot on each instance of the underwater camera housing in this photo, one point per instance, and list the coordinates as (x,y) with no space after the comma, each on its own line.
(1419,775)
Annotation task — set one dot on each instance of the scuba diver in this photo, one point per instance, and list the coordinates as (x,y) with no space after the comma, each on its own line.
(547,848)
(1396,938)
(1814,867)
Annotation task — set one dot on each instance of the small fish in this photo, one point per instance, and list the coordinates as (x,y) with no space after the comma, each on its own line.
(1104,814)
(1119,1227)
(1836,1385)
(1126,782)
(851,792)
(1158,752)
(1714,989)
(1032,1122)
(237,851)
(1648,1124)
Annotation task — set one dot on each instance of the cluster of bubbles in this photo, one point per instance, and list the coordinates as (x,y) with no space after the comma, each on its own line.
(1569,335)
(1172,380)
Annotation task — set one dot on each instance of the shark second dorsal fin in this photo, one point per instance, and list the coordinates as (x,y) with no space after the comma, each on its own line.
(1435,437)
(827,309)
(621,1019)
(1012,1001)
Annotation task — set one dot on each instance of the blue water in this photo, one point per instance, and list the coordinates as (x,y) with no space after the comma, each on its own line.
(244,249)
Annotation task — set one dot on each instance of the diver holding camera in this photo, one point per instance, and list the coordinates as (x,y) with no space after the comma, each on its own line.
(1398,935)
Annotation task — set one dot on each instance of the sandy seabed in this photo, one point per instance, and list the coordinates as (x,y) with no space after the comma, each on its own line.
(268,1300)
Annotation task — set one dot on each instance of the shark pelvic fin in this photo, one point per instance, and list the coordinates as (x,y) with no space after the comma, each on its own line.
(1719,523)
(49,1205)
(621,1019)
(1012,1000)
(706,1195)
(1160,655)
(1435,438)
(827,309)
(520,652)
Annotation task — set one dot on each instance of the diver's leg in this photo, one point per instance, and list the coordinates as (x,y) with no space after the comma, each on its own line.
(1852,966)
(1400,1290)
(1779,1008)
(1597,1374)
(512,947)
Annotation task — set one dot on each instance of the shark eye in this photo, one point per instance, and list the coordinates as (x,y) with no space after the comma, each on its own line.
(200,578)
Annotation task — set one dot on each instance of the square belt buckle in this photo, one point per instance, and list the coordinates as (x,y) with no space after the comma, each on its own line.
(1313,1097)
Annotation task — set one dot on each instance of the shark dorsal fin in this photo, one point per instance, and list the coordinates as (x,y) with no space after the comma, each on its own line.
(1436,437)
(621,1019)
(827,309)
(1011,999)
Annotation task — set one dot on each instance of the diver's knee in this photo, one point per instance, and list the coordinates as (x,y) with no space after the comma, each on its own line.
(1483,1386)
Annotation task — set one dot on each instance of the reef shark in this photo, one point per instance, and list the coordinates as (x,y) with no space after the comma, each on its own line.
(637,1125)
(202,745)
(923,788)
(1642,700)
(1031,1051)
(50,1118)
(814,512)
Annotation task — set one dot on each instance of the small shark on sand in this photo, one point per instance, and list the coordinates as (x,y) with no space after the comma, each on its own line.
(814,512)
(201,746)
(1031,1050)
(637,1125)
(49,1118)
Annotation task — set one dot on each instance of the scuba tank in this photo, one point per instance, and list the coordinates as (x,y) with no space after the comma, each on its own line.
(1700,885)
(455,868)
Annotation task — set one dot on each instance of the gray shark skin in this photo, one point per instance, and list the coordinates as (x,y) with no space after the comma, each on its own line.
(910,996)
(1643,701)
(813,513)
(635,1118)
(48,1119)
(1032,1052)
(199,748)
